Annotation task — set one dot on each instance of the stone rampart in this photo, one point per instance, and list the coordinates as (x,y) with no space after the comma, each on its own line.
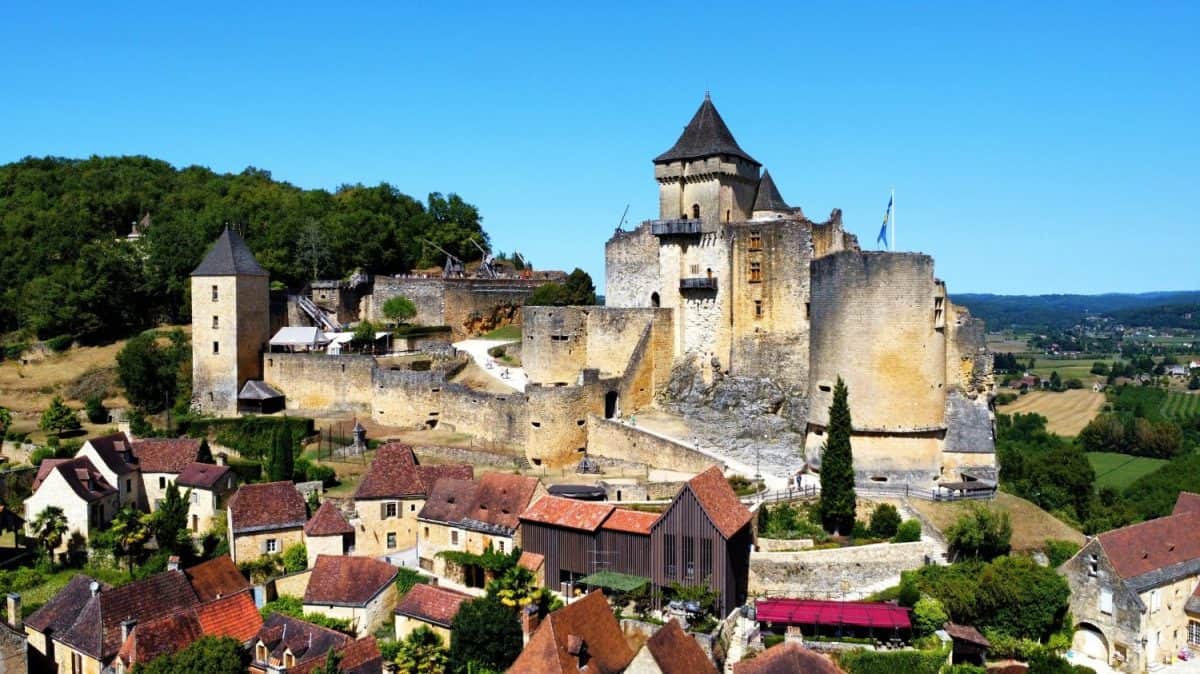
(627,443)
(316,381)
(850,573)
(468,305)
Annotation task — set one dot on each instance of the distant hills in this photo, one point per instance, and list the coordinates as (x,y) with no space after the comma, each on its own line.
(1169,309)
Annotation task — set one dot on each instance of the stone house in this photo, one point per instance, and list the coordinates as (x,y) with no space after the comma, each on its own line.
(265,519)
(670,650)
(429,606)
(88,500)
(328,533)
(211,486)
(391,494)
(84,627)
(472,516)
(1135,591)
(113,457)
(583,636)
(234,616)
(359,589)
(287,645)
(160,461)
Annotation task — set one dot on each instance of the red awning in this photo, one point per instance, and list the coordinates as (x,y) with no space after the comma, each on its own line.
(816,612)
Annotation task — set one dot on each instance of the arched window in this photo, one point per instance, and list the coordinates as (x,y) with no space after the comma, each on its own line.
(696,211)
(654,301)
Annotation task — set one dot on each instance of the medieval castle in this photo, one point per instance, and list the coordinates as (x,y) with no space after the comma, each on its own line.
(729,283)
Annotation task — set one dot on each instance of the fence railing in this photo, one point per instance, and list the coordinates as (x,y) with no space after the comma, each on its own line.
(893,490)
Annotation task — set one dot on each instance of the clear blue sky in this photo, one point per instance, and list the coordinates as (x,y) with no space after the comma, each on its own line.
(1033,149)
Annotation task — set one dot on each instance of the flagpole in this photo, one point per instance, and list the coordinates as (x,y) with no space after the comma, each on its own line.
(893,216)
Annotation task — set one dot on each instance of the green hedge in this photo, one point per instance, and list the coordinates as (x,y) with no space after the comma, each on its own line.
(891,662)
(247,471)
(417,330)
(251,435)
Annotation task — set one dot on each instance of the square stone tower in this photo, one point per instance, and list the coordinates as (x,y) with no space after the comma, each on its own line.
(230,324)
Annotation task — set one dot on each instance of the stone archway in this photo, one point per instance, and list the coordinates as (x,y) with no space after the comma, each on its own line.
(1090,641)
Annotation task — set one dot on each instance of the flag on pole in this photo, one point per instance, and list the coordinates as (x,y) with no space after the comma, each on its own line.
(883,231)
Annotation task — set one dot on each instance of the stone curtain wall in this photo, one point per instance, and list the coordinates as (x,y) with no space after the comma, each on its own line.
(428,294)
(469,306)
(825,574)
(631,268)
(315,381)
(554,347)
(615,440)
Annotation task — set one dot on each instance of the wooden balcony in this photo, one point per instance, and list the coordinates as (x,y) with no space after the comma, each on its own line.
(698,283)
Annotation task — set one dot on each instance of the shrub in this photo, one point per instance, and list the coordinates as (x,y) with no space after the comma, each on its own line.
(891,662)
(964,669)
(1060,551)
(1005,398)
(980,532)
(909,531)
(885,520)
(928,616)
(773,640)
(60,343)
(295,558)
(96,412)
(406,578)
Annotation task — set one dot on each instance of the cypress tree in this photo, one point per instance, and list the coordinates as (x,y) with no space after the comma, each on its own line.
(285,459)
(837,467)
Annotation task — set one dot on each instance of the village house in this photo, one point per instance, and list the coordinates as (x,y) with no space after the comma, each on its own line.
(702,538)
(287,645)
(265,519)
(787,658)
(113,457)
(14,645)
(358,589)
(472,516)
(210,486)
(235,617)
(582,636)
(328,533)
(670,650)
(87,499)
(1135,591)
(428,606)
(161,460)
(86,625)
(391,494)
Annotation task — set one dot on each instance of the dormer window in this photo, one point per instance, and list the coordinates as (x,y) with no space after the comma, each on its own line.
(260,652)
(289,660)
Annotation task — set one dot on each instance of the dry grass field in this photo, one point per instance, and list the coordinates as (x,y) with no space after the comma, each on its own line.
(1066,413)
(1032,526)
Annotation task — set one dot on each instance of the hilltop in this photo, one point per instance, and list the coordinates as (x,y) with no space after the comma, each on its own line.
(1175,309)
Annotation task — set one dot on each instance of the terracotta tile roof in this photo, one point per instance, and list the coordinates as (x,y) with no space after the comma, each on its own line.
(531,560)
(80,475)
(114,451)
(201,475)
(97,629)
(569,513)
(966,633)
(261,507)
(234,616)
(60,612)
(347,581)
(583,632)
(719,502)
(631,521)
(328,521)
(395,473)
(161,636)
(501,498)
(431,604)
(449,500)
(1153,545)
(306,640)
(676,652)
(165,455)
(1186,502)
(358,657)
(787,658)
(216,578)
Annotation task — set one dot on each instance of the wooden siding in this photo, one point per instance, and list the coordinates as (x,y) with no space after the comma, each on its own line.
(564,549)
(687,519)
(623,552)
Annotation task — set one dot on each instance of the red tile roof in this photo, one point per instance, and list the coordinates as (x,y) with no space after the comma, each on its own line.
(719,502)
(216,578)
(234,616)
(60,612)
(165,455)
(825,612)
(569,513)
(501,498)
(966,633)
(1186,502)
(531,560)
(631,521)
(584,628)
(449,500)
(395,473)
(787,658)
(262,507)
(358,657)
(328,521)
(113,450)
(201,475)
(431,604)
(306,640)
(1154,544)
(80,475)
(347,581)
(676,652)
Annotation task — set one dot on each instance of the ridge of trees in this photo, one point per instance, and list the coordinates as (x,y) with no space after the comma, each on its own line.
(68,270)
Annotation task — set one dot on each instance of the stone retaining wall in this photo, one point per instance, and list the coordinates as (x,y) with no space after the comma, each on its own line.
(628,443)
(850,573)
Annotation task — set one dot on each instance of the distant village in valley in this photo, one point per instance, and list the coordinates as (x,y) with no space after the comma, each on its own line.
(767,448)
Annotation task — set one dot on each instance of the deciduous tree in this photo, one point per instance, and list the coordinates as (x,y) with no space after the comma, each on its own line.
(484,633)
(58,417)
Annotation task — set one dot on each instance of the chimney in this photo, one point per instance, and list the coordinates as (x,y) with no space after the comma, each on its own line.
(14,610)
(529,622)
(127,626)
(173,563)
(94,587)
(222,458)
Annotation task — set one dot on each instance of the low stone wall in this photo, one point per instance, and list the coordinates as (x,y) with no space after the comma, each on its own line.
(292,585)
(849,573)
(628,443)
(784,544)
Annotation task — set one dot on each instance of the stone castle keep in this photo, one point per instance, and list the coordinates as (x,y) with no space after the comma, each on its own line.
(729,284)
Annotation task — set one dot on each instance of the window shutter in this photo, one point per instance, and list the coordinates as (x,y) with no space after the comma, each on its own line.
(262,545)
(383,511)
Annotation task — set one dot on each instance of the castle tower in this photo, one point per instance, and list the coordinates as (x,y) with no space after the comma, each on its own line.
(706,175)
(230,324)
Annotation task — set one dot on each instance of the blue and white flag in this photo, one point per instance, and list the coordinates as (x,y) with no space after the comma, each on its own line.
(882,238)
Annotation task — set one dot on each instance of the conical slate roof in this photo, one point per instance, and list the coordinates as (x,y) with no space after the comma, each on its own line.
(706,135)
(230,256)
(769,198)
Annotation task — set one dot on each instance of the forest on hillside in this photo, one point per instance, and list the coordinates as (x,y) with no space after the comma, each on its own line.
(1157,309)
(67,270)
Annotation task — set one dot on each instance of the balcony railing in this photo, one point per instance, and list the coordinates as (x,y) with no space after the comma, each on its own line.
(674,227)
(698,283)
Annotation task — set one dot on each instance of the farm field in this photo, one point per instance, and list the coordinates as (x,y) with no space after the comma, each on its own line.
(1066,413)
(1120,470)
(1181,404)
(1080,369)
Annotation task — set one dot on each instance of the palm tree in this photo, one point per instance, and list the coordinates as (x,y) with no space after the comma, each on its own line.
(131,529)
(422,653)
(50,527)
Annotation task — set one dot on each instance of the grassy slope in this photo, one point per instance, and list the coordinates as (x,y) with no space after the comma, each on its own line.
(1032,526)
